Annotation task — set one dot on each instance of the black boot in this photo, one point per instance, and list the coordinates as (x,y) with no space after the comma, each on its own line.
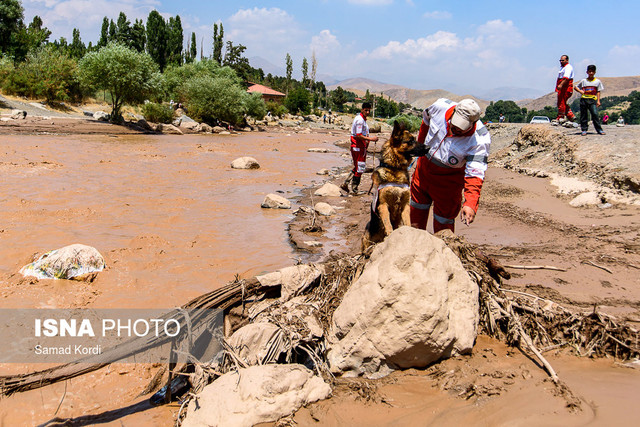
(345,184)
(354,184)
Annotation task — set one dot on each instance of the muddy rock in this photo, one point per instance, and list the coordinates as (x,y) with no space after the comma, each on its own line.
(328,189)
(18,114)
(292,280)
(245,163)
(170,130)
(69,262)
(414,304)
(324,209)
(274,201)
(257,394)
(253,343)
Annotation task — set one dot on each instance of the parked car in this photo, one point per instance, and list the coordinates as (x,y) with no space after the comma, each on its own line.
(540,119)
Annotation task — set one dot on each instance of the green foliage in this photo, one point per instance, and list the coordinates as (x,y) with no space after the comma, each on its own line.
(11,15)
(129,76)
(77,49)
(548,111)
(174,41)
(338,98)
(298,100)
(6,68)
(510,110)
(175,77)
(193,49)
(104,33)
(276,109)
(255,106)
(157,39)
(233,58)
(218,43)
(386,108)
(411,123)
(289,67)
(46,73)
(208,98)
(138,39)
(157,113)
(305,72)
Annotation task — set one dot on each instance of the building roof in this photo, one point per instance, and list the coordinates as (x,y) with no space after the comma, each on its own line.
(264,90)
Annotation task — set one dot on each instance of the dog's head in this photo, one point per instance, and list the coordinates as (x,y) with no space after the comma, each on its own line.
(404,143)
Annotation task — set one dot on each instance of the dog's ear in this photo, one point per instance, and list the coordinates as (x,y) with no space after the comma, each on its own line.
(398,128)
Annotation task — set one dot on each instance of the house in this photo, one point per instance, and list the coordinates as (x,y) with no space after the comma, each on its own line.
(267,93)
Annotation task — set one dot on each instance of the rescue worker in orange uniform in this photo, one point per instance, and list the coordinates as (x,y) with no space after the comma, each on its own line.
(458,149)
(359,143)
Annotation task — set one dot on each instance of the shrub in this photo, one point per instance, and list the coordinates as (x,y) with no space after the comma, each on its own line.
(411,123)
(157,113)
(277,110)
(208,98)
(255,105)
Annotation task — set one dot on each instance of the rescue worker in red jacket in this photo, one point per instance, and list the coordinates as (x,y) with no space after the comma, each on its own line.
(359,143)
(564,88)
(458,149)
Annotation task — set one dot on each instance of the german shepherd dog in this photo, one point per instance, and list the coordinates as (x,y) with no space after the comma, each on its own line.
(390,206)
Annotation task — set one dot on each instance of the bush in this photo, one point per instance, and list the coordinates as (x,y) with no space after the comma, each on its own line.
(208,98)
(277,110)
(411,123)
(298,101)
(255,106)
(157,113)
(6,68)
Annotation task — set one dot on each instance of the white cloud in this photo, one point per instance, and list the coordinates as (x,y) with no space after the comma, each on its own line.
(265,32)
(425,47)
(622,61)
(324,43)
(500,34)
(437,14)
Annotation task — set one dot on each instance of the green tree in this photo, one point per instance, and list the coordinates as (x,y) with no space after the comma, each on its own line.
(509,109)
(193,48)
(104,33)
(298,100)
(157,39)
(289,65)
(305,72)
(233,58)
(138,36)
(175,38)
(123,30)
(218,37)
(11,16)
(77,49)
(338,98)
(113,31)
(129,76)
(37,35)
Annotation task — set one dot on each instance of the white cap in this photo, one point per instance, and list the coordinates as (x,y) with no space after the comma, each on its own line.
(467,112)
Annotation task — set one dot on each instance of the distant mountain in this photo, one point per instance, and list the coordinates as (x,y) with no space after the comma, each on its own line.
(510,93)
(417,98)
(613,86)
(267,67)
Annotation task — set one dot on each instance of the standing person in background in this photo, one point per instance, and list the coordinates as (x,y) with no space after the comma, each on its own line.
(564,88)
(590,89)
(359,143)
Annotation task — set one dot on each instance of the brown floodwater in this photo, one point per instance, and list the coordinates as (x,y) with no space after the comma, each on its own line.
(171,217)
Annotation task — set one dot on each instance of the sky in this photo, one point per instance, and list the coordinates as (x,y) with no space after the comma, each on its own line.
(467,47)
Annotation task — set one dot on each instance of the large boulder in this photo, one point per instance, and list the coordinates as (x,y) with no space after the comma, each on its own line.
(413,305)
(375,127)
(245,163)
(258,394)
(70,262)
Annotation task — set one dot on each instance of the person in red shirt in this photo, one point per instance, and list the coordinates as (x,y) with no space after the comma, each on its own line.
(564,88)
(359,143)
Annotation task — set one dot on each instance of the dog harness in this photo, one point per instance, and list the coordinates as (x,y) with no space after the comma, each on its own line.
(374,202)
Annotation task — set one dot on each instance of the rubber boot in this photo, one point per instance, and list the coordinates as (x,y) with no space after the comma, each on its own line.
(345,184)
(354,184)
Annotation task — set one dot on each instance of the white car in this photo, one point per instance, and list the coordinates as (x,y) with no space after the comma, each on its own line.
(540,119)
